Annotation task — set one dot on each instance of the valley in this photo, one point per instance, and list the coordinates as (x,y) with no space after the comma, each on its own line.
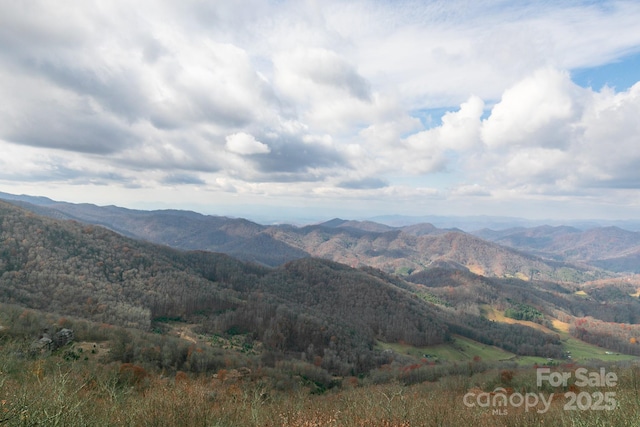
(326,309)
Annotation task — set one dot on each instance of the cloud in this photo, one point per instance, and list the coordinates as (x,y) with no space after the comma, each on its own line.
(34,164)
(327,98)
(540,110)
(438,53)
(364,184)
(41,115)
(328,93)
(243,143)
(607,150)
(549,135)
(429,151)
(471,190)
(326,69)
(182,179)
(290,157)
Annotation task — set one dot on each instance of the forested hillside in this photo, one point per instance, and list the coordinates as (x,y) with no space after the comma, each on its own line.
(310,308)
(326,310)
(404,253)
(610,248)
(89,271)
(399,250)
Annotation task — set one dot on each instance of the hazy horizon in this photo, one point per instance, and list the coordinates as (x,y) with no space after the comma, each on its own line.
(303,217)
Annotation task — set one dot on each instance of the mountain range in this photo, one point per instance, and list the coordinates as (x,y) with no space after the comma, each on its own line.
(400,249)
(307,304)
(610,248)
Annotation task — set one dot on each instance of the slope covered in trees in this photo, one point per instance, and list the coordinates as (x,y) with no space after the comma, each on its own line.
(325,310)
(357,243)
(89,271)
(610,248)
(310,308)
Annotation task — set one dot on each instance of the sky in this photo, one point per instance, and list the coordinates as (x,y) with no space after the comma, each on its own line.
(313,109)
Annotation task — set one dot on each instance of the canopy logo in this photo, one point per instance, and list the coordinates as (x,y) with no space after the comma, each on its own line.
(500,399)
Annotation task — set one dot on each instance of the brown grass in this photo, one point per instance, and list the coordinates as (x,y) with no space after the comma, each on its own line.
(51,392)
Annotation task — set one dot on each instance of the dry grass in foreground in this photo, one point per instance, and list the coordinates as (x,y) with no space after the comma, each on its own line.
(48,392)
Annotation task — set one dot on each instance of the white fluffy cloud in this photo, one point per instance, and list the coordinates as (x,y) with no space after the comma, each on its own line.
(539,110)
(549,135)
(459,132)
(243,143)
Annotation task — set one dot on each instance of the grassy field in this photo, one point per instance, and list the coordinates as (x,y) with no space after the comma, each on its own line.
(463,349)
(444,388)
(580,351)
(50,392)
(460,350)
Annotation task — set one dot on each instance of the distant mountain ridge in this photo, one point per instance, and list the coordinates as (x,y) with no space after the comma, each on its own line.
(610,248)
(472,223)
(402,250)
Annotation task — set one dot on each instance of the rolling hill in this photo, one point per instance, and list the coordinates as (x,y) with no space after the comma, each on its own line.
(305,308)
(609,248)
(400,250)
(308,305)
